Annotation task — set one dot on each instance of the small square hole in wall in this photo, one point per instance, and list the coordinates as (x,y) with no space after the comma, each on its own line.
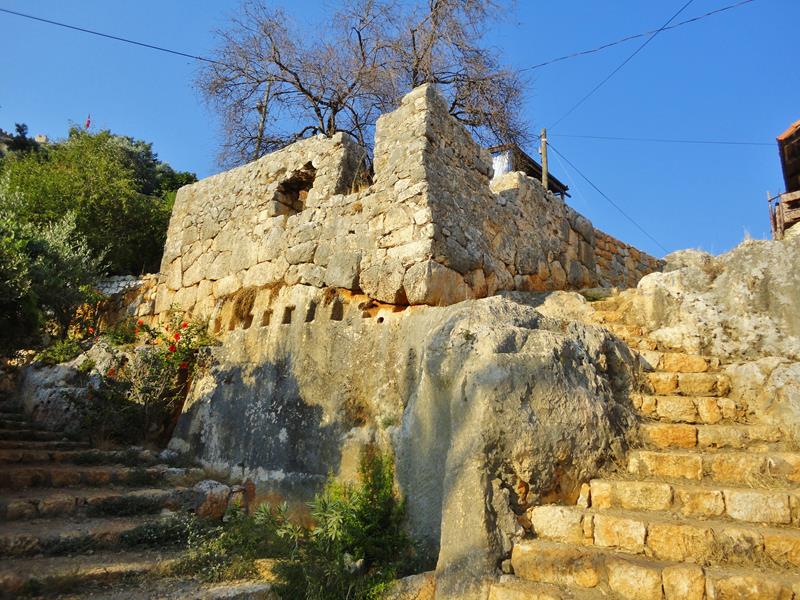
(248,320)
(337,310)
(232,324)
(217,325)
(266,318)
(380,320)
(311,312)
(287,315)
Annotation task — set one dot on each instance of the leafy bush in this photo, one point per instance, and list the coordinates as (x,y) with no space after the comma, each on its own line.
(357,544)
(355,548)
(45,274)
(139,396)
(60,351)
(122,333)
(119,191)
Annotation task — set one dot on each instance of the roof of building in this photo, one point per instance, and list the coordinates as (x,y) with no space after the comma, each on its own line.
(789,132)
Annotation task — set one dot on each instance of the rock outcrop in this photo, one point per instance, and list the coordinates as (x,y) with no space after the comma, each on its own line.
(488,406)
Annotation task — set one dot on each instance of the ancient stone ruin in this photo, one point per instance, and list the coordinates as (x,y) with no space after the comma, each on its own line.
(434,228)
(643,446)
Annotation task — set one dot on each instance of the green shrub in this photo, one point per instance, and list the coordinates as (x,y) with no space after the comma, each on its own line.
(60,351)
(356,547)
(357,544)
(122,333)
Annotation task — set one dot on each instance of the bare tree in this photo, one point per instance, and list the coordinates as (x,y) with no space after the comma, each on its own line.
(272,87)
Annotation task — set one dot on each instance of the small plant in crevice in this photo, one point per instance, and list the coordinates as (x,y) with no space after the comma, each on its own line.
(60,351)
(356,547)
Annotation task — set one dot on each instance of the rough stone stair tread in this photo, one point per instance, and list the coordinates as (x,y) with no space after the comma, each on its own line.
(172,588)
(93,492)
(533,590)
(661,517)
(773,571)
(708,485)
(714,438)
(42,444)
(53,566)
(35,434)
(49,528)
(39,456)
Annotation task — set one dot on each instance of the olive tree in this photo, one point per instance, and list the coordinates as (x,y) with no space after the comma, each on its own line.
(273,83)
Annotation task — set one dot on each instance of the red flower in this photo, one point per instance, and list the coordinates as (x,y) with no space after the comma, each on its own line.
(111,372)
(136,331)
(140,322)
(184,365)
(184,325)
(177,336)
(90,330)
(172,348)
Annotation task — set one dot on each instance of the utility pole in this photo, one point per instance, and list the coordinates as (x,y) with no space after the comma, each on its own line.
(543,152)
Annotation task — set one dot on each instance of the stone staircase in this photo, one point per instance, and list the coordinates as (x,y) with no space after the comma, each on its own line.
(708,505)
(81,522)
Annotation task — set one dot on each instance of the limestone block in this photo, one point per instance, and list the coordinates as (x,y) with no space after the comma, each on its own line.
(758,506)
(384,281)
(220,267)
(700,502)
(311,274)
(213,499)
(672,541)
(619,532)
(631,495)
(561,523)
(430,283)
(272,245)
(747,587)
(558,276)
(301,253)
(561,566)
(783,548)
(633,581)
(343,270)
(265,273)
(683,363)
(709,410)
(683,582)
(173,278)
(643,463)
(408,254)
(226,286)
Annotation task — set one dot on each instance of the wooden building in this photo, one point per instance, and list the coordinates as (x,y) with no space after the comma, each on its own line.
(785,211)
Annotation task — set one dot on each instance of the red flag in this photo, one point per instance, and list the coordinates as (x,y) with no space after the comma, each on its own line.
(88,121)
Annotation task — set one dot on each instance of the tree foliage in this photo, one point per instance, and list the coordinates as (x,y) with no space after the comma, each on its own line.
(274,85)
(118,191)
(45,273)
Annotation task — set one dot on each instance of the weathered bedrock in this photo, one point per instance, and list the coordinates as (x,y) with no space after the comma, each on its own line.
(487,405)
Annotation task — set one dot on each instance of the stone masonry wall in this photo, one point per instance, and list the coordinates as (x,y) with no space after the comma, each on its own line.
(429,230)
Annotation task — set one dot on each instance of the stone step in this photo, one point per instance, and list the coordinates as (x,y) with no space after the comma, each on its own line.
(33,435)
(759,438)
(688,384)
(93,502)
(57,575)
(708,410)
(155,587)
(678,362)
(753,469)
(83,456)
(773,506)
(19,424)
(514,588)
(23,476)
(10,406)
(639,578)
(664,537)
(68,536)
(13,416)
(43,445)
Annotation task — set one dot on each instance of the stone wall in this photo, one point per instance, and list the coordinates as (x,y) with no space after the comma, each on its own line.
(431,229)
(619,264)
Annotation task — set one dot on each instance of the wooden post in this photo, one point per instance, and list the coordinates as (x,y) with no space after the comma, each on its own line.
(771,216)
(543,151)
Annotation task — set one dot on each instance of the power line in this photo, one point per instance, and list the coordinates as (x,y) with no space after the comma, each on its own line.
(619,68)
(610,201)
(636,36)
(111,37)
(661,140)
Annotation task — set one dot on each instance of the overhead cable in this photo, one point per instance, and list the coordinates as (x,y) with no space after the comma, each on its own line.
(619,68)
(609,200)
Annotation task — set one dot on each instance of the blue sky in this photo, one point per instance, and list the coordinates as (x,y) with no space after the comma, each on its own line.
(731,77)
